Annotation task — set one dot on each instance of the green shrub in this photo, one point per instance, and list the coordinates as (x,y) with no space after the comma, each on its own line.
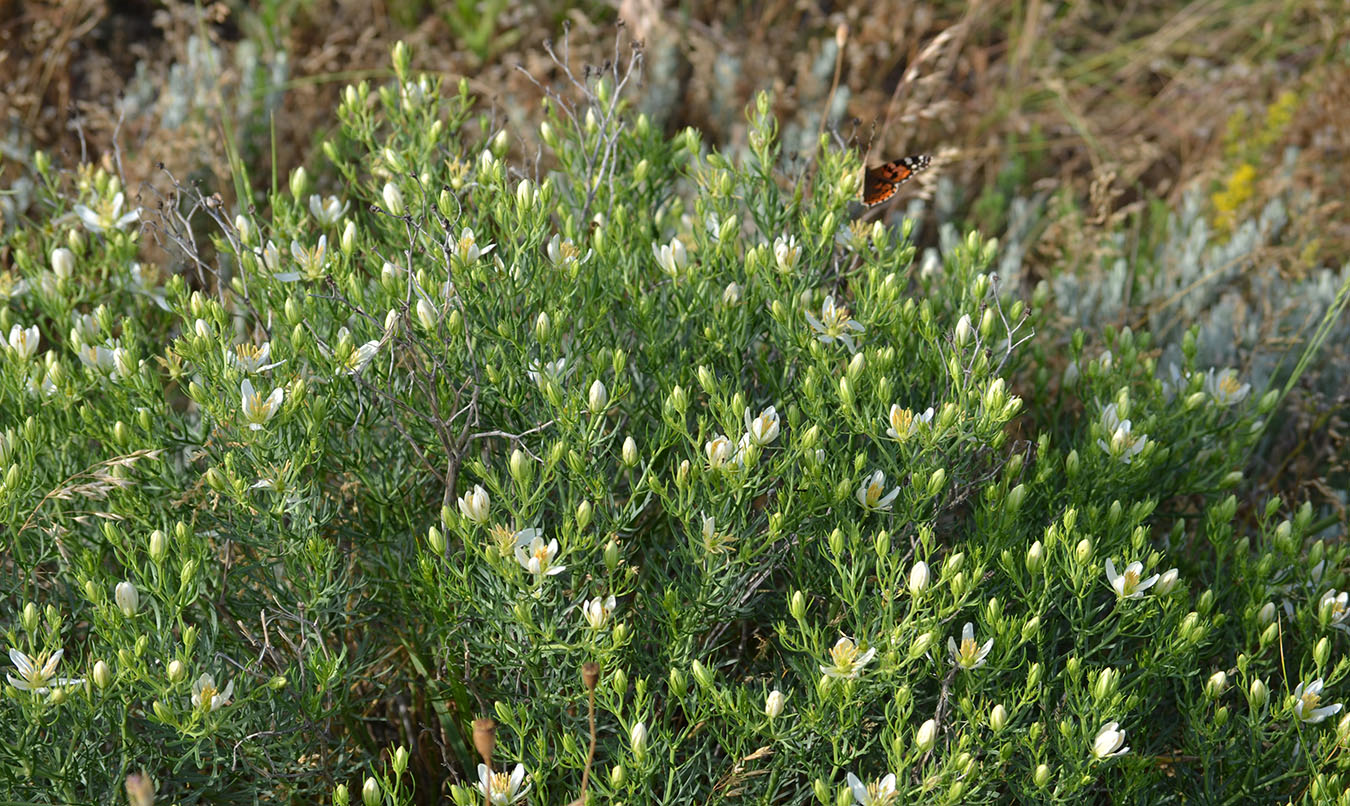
(361,472)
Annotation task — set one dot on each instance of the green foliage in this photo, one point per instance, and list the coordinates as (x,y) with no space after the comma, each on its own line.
(386,465)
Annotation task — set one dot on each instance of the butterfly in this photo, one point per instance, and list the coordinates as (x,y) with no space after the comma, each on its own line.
(881,182)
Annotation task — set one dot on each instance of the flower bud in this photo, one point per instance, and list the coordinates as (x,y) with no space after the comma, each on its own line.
(1035,557)
(30,617)
(1041,776)
(436,540)
(583,515)
(926,736)
(598,398)
(920,645)
(617,776)
(630,452)
(963,330)
(637,737)
(706,380)
(773,706)
(393,199)
(1267,613)
(177,671)
(797,605)
(370,792)
(998,718)
(702,674)
(936,481)
(299,183)
(1257,694)
(127,598)
(63,262)
(1216,684)
(520,468)
(102,674)
(1083,551)
(1105,685)
(918,578)
(1321,651)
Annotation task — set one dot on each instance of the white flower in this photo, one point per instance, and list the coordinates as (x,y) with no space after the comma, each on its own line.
(872,494)
(786,250)
(715,542)
(327,211)
(128,599)
(1128,585)
(468,249)
(1109,740)
(719,450)
(1224,387)
(905,423)
(38,675)
(565,254)
(1125,444)
(476,504)
(855,236)
(534,555)
(596,611)
(773,704)
(1176,382)
(1167,581)
(257,411)
(98,358)
(551,370)
(1308,698)
(969,655)
(499,788)
(107,214)
(271,260)
(313,262)
(762,430)
(672,257)
(41,384)
(207,697)
(845,660)
(834,324)
(414,93)
(713,225)
(361,356)
(23,341)
(11,287)
(251,358)
(1340,607)
(877,793)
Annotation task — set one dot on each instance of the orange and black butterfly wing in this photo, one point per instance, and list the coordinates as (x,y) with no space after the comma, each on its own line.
(881,182)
